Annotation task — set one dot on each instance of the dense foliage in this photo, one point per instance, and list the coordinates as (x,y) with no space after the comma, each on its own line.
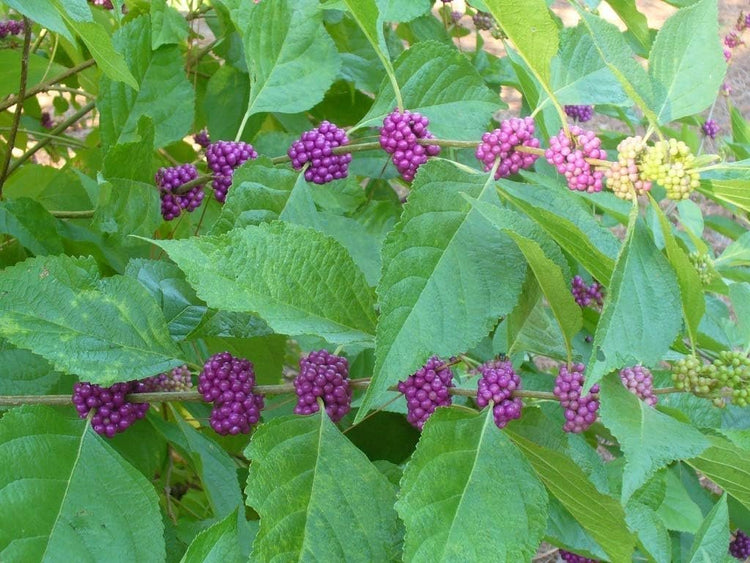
(289,280)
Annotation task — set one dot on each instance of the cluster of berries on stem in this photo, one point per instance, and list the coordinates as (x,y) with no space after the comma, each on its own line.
(497,383)
(326,376)
(580,411)
(502,144)
(571,557)
(739,547)
(177,379)
(315,149)
(710,128)
(223,157)
(427,389)
(581,114)
(400,136)
(568,154)
(640,381)
(11,27)
(587,295)
(671,164)
(625,177)
(727,377)
(202,138)
(112,412)
(169,180)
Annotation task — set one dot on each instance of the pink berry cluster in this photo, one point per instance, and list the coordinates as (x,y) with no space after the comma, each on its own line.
(571,557)
(112,412)
(710,128)
(639,381)
(568,153)
(626,177)
(315,148)
(400,136)
(324,375)
(228,383)
(580,412)
(497,384)
(427,389)
(739,547)
(201,138)
(501,144)
(222,158)
(580,113)
(168,180)
(11,27)
(587,295)
(177,379)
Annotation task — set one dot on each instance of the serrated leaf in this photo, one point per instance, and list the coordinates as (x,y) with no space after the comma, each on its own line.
(686,62)
(646,436)
(652,534)
(425,307)
(564,531)
(83,501)
(218,543)
(168,26)
(444,502)
(728,466)
(439,82)
(33,226)
(102,329)
(250,270)
(24,373)
(532,330)
(711,542)
(317,495)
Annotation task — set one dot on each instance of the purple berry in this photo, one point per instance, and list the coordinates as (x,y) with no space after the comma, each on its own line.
(315,147)
(710,128)
(178,379)
(426,389)
(580,113)
(732,40)
(222,158)
(325,375)
(400,137)
(228,383)
(568,154)
(571,557)
(739,547)
(201,138)
(501,143)
(580,412)
(586,295)
(456,16)
(640,382)
(11,27)
(483,20)
(497,384)
(106,4)
(46,120)
(168,180)
(113,413)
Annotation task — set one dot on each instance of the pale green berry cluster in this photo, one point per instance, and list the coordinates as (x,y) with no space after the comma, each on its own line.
(671,164)
(727,377)
(626,177)
(704,265)
(732,371)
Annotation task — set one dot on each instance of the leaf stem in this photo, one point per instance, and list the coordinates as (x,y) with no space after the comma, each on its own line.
(83,214)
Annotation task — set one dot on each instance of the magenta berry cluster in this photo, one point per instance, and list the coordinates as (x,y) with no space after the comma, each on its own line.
(168,180)
(587,295)
(639,381)
(427,389)
(201,138)
(502,142)
(324,375)
(222,158)
(112,412)
(228,383)
(10,27)
(568,155)
(739,547)
(571,557)
(497,384)
(400,136)
(580,412)
(710,128)
(581,114)
(315,148)
(177,379)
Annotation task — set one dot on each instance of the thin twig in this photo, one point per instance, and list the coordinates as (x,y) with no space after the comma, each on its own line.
(83,214)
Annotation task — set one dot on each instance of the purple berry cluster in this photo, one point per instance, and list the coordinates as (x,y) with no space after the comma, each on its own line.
(201,138)
(739,547)
(46,120)
(113,413)
(168,180)
(400,137)
(710,128)
(501,143)
(106,4)
(587,295)
(497,384)
(483,20)
(228,383)
(315,147)
(324,375)
(568,153)
(427,389)
(581,114)
(640,381)
(178,379)
(580,412)
(571,557)
(222,158)
(10,27)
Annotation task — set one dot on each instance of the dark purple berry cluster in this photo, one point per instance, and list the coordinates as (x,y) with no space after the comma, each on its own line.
(497,383)
(580,412)
(46,120)
(739,547)
(501,143)
(710,128)
(324,375)
(178,379)
(222,158)
(106,4)
(483,20)
(581,114)
(587,295)
(201,138)
(427,389)
(400,136)
(571,557)
(112,412)
(640,381)
(228,383)
(168,180)
(10,27)
(568,155)
(315,149)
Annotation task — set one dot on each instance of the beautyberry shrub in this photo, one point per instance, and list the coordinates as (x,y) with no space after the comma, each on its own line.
(568,154)
(739,547)
(112,412)
(315,147)
(501,143)
(222,158)
(580,411)
(580,113)
(571,557)
(400,136)
(639,381)
(427,389)
(671,164)
(497,383)
(625,177)
(168,180)
(177,379)
(324,375)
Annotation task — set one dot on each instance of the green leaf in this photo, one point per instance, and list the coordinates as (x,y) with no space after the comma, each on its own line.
(652,534)
(102,329)
(641,316)
(599,514)
(398,11)
(444,500)
(646,436)
(248,270)
(730,191)
(24,373)
(678,511)
(711,543)
(162,91)
(33,226)
(65,494)
(227,92)
(426,307)
(168,26)
(318,496)
(686,62)
(216,544)
(360,62)
(10,68)
(531,329)
(728,466)
(637,24)
(439,82)
(44,13)
(133,160)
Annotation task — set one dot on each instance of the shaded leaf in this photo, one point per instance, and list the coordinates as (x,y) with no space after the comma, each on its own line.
(711,542)
(728,466)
